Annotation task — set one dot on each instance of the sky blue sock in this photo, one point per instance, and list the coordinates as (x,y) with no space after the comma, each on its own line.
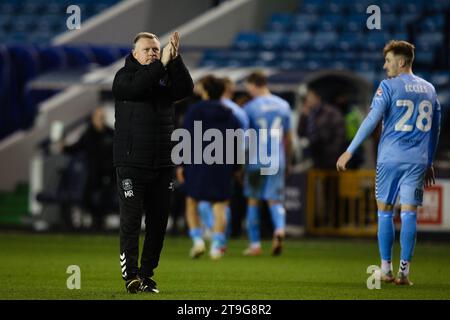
(386,234)
(195,234)
(278,214)
(206,214)
(253,224)
(408,234)
(228,215)
(218,240)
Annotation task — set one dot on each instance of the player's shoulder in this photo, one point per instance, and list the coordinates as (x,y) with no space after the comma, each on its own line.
(426,83)
(278,99)
(390,83)
(250,105)
(283,104)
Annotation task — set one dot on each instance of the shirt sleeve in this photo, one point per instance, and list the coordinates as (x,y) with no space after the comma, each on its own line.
(382,98)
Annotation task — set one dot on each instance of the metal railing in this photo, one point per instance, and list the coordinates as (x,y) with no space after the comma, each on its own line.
(341,204)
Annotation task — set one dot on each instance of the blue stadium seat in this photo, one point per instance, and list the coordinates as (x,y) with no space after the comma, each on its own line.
(26,61)
(297,41)
(34,7)
(440,79)
(26,65)
(124,51)
(387,8)
(339,65)
(390,23)
(53,58)
(17,37)
(99,7)
(313,65)
(430,38)
(56,8)
(79,57)
(210,63)
(5,21)
(280,22)
(51,23)
(358,7)
(268,58)
(9,7)
(223,58)
(24,23)
(305,22)
(293,55)
(349,41)
(247,40)
(400,36)
(376,40)
(354,23)
(336,7)
(424,54)
(432,23)
(321,55)
(408,18)
(436,6)
(246,55)
(105,55)
(291,60)
(423,74)
(312,6)
(375,57)
(348,56)
(215,54)
(39,37)
(308,18)
(324,41)
(273,40)
(287,64)
(330,22)
(266,63)
(412,7)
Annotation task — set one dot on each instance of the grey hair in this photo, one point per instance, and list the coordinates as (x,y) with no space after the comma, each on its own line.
(141,35)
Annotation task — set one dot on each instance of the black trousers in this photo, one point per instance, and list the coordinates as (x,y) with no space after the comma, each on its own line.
(149,192)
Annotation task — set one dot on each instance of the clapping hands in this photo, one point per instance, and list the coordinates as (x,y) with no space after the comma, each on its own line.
(170,51)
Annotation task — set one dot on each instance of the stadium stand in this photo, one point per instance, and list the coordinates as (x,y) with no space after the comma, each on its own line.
(328,34)
(26,29)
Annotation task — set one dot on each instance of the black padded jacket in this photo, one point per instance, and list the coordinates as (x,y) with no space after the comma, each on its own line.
(144,111)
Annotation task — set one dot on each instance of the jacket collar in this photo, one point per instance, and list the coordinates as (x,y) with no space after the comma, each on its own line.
(131,63)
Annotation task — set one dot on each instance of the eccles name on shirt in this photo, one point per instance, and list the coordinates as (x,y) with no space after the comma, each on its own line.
(416,88)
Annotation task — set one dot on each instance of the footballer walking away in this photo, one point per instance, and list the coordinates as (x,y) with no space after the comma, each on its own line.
(411,115)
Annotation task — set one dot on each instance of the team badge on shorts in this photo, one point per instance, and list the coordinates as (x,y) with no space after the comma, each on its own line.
(127,186)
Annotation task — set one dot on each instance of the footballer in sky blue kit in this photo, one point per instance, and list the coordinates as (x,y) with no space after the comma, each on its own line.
(266,111)
(205,207)
(411,114)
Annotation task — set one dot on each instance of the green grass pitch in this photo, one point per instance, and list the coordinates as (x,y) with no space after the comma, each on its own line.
(33,266)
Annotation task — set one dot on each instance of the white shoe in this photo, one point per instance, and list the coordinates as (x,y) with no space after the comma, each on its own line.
(252,251)
(216,253)
(197,249)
